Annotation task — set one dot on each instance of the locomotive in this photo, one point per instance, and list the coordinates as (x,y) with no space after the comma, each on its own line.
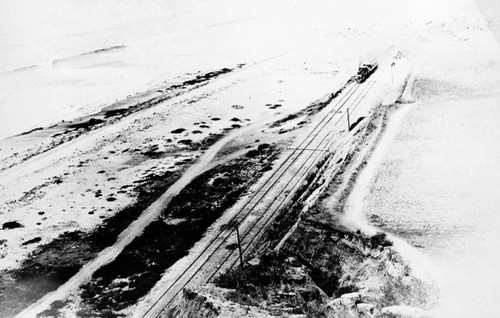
(365,71)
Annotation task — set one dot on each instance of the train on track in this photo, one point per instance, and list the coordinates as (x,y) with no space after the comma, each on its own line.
(365,71)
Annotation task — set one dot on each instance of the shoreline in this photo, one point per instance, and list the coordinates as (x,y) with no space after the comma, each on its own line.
(60,133)
(119,155)
(279,187)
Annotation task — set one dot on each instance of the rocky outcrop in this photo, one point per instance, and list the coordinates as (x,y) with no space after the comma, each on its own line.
(210,302)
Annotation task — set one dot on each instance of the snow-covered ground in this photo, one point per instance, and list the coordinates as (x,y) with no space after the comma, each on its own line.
(491,11)
(296,52)
(437,186)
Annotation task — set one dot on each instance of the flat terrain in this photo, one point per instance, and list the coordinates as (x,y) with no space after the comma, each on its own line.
(437,186)
(491,11)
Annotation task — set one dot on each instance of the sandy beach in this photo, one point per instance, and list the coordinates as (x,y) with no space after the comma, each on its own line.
(261,159)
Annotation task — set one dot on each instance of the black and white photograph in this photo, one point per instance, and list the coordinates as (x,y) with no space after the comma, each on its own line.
(249,158)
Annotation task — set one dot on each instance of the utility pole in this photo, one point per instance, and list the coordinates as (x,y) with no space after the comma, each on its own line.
(348,121)
(392,68)
(239,244)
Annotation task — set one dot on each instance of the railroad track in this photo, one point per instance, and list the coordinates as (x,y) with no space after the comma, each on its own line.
(260,209)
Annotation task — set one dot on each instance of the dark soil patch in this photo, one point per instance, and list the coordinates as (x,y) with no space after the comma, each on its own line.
(353,125)
(252,153)
(35,240)
(115,112)
(54,263)
(278,281)
(322,246)
(178,131)
(87,124)
(11,225)
(266,168)
(263,146)
(199,79)
(206,142)
(261,150)
(153,152)
(161,245)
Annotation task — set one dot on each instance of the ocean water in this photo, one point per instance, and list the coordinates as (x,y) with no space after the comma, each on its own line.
(64,58)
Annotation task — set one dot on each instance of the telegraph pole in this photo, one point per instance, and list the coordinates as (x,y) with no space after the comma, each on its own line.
(239,244)
(392,68)
(348,121)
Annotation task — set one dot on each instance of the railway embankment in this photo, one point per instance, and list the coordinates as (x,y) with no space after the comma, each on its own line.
(307,264)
